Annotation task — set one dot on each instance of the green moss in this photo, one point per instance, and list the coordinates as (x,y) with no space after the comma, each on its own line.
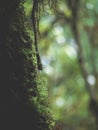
(26,80)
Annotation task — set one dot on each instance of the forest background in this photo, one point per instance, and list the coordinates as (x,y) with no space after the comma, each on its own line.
(69,53)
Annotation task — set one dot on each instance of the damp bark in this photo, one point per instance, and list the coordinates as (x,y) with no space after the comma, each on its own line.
(18,71)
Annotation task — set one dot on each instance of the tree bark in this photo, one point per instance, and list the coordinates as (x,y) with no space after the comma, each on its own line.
(18,71)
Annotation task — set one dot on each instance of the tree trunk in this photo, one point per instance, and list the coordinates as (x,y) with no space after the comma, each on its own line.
(81,60)
(94,110)
(18,72)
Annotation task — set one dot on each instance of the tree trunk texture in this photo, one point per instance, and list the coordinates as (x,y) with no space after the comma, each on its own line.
(18,71)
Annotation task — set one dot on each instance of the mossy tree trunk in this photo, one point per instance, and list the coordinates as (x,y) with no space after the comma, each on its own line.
(18,72)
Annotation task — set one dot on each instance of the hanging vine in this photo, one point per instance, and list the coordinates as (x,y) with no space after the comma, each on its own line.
(35,21)
(38,7)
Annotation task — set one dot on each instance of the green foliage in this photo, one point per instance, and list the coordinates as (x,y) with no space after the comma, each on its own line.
(68,96)
(28,7)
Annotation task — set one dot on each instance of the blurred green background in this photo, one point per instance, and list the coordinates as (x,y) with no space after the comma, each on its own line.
(69,53)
